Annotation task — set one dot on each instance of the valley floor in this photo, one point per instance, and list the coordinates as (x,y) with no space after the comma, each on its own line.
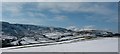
(100,45)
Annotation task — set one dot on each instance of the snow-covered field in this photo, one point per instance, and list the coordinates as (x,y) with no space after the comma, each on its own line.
(100,45)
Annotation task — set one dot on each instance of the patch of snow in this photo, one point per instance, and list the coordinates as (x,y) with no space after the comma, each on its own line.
(53,35)
(74,28)
(15,42)
(24,42)
(29,40)
(68,37)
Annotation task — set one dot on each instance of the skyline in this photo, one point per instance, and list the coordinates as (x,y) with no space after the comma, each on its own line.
(101,15)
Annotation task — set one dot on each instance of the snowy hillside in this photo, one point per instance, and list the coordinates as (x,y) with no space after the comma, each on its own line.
(100,45)
(23,34)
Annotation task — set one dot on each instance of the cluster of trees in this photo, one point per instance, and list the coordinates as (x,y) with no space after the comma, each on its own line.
(6,42)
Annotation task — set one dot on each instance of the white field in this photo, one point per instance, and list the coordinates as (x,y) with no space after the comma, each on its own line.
(100,45)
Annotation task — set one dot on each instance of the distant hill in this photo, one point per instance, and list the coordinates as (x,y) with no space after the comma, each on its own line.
(19,30)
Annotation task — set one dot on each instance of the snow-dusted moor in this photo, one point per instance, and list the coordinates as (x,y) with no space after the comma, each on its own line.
(59,27)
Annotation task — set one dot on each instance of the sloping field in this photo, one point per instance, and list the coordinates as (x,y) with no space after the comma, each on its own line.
(100,45)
